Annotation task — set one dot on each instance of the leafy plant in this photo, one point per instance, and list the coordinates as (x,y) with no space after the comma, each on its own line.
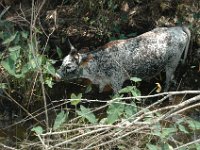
(60,119)
(120,110)
(133,90)
(76,99)
(114,112)
(86,113)
(22,58)
(117,109)
(37,130)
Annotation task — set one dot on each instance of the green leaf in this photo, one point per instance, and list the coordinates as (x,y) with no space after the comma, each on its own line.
(182,129)
(135,92)
(60,119)
(49,82)
(103,121)
(166,146)
(197,146)
(37,30)
(131,89)
(38,130)
(152,147)
(2,35)
(166,132)
(157,133)
(115,110)
(194,146)
(32,63)
(50,69)
(14,55)
(9,65)
(117,96)
(87,114)
(135,79)
(88,89)
(14,48)
(130,110)
(17,39)
(127,89)
(181,120)
(156,130)
(76,99)
(26,68)
(121,147)
(24,34)
(59,52)
(194,125)
(35,62)
(3,85)
(10,39)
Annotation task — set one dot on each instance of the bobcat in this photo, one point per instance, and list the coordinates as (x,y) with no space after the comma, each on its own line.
(143,56)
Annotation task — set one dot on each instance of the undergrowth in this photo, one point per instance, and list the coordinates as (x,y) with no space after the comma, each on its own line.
(125,123)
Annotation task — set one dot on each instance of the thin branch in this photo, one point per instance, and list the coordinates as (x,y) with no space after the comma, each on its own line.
(187,144)
(82,128)
(181,105)
(115,139)
(77,137)
(29,114)
(7,147)
(168,94)
(184,109)
(42,141)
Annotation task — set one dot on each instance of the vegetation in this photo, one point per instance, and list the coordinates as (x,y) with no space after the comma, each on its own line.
(33,42)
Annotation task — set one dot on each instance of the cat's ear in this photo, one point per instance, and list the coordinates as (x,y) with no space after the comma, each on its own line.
(73,50)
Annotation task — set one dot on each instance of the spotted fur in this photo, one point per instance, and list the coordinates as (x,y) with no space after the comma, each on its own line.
(143,56)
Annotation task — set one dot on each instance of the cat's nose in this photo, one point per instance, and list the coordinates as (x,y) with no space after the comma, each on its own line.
(58,77)
(59,74)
